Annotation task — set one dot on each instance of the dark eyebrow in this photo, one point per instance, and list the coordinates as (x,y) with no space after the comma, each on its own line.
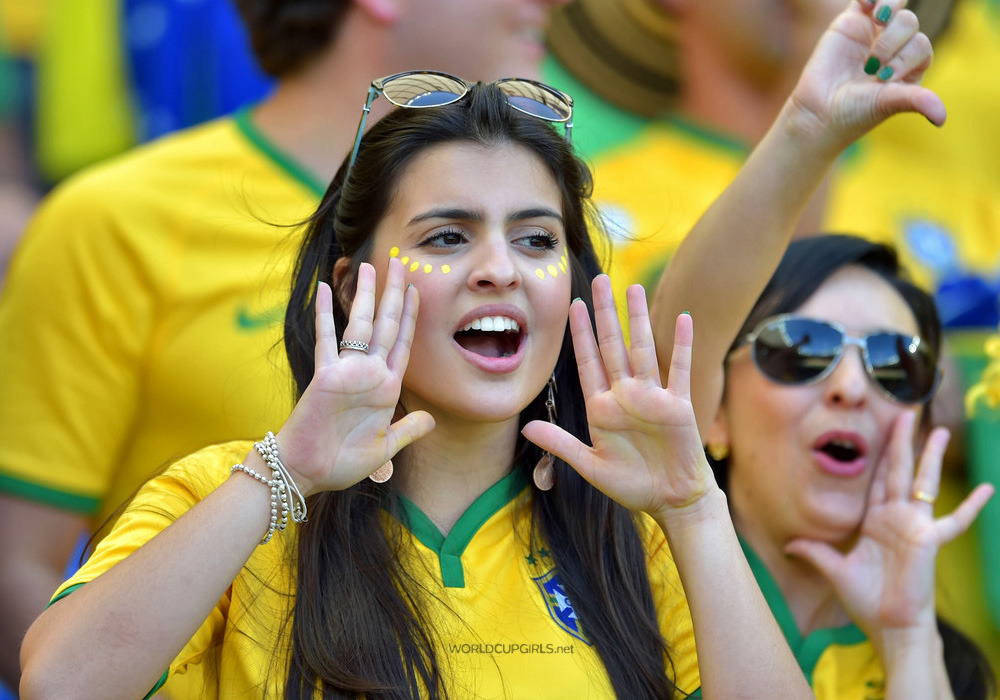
(535,213)
(467,215)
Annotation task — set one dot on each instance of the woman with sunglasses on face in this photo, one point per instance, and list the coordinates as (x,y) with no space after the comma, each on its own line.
(826,389)
(422,562)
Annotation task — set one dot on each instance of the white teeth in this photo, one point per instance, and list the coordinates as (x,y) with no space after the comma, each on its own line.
(492,323)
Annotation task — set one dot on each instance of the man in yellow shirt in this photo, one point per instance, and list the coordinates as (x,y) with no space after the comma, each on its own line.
(160,277)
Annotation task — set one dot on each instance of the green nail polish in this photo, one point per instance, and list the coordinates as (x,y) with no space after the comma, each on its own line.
(883,14)
(872,65)
(575,300)
(885,73)
(686,312)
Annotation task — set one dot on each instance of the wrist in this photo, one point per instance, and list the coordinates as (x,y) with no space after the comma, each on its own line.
(901,646)
(708,507)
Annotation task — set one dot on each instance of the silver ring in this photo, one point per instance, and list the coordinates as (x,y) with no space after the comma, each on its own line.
(353,345)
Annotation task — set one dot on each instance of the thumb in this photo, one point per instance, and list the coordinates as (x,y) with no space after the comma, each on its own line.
(408,430)
(906,97)
(825,558)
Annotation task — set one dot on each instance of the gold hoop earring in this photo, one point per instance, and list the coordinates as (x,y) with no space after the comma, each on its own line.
(717,450)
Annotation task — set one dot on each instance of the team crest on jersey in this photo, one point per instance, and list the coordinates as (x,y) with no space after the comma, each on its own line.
(558,604)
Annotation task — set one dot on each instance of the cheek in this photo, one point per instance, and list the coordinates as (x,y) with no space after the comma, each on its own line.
(418,268)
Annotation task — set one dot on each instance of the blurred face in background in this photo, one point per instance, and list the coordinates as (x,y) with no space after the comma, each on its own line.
(476,39)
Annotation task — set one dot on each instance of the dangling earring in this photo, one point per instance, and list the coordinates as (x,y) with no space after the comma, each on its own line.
(382,474)
(544,474)
(717,450)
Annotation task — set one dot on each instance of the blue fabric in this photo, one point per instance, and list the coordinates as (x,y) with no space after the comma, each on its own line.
(189,61)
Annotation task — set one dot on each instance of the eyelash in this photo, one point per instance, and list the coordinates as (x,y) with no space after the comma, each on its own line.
(434,241)
(550,240)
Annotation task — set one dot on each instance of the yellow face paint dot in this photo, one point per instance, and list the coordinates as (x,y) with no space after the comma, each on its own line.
(552,270)
(405,259)
(445,269)
(541,273)
(393,252)
(427,269)
(414,265)
(562,267)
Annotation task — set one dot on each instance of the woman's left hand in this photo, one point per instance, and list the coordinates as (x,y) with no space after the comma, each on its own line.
(646,454)
(886,581)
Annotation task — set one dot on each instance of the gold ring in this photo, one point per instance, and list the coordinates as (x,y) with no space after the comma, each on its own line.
(928,498)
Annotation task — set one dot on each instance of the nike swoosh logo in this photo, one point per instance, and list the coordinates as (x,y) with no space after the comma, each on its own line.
(247,320)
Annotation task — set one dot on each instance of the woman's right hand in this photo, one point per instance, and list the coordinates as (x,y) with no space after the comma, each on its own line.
(837,101)
(886,579)
(342,428)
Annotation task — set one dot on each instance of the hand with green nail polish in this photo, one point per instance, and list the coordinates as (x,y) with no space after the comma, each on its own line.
(842,101)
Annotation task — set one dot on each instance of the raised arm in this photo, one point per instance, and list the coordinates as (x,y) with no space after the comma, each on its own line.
(647,455)
(723,264)
(94,642)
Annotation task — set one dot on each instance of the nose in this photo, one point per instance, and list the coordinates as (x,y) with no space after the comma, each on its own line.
(494,266)
(848,384)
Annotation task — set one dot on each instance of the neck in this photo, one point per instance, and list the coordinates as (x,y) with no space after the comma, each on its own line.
(810,596)
(716,95)
(313,115)
(446,471)
(722,97)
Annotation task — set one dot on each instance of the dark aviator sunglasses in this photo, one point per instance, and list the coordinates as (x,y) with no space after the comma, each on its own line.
(793,350)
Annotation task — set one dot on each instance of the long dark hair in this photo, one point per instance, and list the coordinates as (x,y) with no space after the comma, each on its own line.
(806,266)
(356,627)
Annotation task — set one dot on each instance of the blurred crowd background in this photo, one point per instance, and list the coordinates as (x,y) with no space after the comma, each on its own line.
(82,81)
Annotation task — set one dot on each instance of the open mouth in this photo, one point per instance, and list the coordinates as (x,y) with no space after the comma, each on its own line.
(490,336)
(841,450)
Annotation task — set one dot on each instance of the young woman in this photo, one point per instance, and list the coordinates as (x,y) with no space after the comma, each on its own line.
(452,577)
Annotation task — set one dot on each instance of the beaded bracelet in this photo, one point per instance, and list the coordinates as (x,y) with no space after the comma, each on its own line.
(268,450)
(285,495)
(274,500)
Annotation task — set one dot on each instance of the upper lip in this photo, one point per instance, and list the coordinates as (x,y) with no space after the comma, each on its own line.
(506,310)
(845,436)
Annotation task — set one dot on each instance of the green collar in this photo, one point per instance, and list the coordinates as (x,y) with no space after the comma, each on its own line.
(283,161)
(450,549)
(807,650)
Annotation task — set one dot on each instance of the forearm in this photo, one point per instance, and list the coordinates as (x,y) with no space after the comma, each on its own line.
(914,665)
(97,642)
(741,650)
(726,260)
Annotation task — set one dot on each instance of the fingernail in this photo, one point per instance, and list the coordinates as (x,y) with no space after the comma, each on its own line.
(575,300)
(686,312)
(883,14)
(885,73)
(872,65)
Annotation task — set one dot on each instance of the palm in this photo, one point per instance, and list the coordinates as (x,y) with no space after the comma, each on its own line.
(342,428)
(646,452)
(886,580)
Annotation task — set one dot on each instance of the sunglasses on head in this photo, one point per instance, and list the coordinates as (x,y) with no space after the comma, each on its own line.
(419,89)
(795,350)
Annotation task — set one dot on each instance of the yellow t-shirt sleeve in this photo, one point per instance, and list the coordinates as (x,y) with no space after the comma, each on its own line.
(158,504)
(77,303)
